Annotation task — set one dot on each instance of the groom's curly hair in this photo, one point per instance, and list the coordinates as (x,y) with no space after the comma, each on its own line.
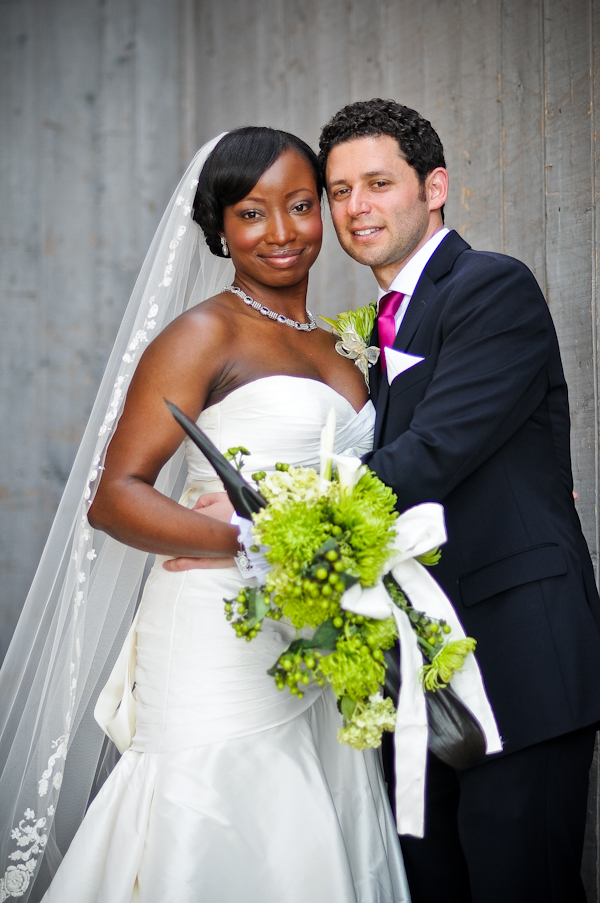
(418,141)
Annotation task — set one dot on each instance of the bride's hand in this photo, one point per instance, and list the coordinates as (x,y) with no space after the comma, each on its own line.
(217,506)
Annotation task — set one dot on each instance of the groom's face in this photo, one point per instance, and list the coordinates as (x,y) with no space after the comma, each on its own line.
(378,206)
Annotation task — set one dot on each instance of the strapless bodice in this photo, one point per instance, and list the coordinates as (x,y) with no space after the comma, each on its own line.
(197,683)
(278,418)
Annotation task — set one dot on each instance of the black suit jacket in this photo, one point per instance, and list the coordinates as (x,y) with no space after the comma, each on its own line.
(482,426)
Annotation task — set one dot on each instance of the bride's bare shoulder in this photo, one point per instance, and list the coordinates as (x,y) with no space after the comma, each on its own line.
(205,324)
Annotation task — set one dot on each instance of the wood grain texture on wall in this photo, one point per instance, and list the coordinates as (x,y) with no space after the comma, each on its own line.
(90,150)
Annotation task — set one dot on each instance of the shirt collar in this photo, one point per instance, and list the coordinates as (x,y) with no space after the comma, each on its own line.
(406,280)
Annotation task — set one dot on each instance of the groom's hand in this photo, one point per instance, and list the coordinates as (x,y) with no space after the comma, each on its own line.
(217,506)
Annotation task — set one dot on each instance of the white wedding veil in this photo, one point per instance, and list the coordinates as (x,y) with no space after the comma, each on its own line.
(87,585)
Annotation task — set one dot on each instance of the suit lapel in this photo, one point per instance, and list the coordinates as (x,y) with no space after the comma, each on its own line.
(440,263)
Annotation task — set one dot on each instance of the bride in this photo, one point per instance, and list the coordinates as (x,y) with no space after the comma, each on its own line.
(229,790)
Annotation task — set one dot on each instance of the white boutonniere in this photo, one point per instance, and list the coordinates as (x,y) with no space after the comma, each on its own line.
(354,328)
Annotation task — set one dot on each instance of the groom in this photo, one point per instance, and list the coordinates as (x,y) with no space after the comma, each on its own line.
(472,412)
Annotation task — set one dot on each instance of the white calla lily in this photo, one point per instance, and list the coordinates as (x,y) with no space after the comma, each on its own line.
(350,470)
(326,449)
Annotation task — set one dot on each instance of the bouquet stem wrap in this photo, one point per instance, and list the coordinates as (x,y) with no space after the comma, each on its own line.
(418,531)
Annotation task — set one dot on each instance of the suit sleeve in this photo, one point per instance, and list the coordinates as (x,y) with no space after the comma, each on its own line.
(490,376)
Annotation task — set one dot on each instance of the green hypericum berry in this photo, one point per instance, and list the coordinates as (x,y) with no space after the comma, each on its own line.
(336,530)
(338,622)
(333,579)
(331,555)
(322,573)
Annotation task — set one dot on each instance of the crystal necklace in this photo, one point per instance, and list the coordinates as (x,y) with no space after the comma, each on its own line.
(266,312)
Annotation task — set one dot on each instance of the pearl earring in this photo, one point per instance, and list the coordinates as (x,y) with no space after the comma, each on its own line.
(224,246)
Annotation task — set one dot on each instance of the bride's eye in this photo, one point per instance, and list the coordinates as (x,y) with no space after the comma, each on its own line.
(249,214)
(302,207)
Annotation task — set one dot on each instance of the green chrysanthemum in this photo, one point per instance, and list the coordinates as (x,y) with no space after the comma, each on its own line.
(352,670)
(368,515)
(380,634)
(292,532)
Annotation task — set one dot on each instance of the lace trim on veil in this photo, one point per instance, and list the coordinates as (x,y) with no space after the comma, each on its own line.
(83,596)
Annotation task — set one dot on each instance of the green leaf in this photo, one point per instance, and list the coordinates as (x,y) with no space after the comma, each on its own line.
(347,706)
(332,323)
(347,579)
(259,604)
(326,635)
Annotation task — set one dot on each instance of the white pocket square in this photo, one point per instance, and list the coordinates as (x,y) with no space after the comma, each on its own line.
(396,362)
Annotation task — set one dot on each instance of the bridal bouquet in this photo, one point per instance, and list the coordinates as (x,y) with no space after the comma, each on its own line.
(328,538)
(328,552)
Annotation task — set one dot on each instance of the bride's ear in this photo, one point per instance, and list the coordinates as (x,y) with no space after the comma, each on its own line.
(436,188)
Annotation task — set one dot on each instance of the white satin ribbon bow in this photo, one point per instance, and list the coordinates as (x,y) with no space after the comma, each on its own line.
(419,530)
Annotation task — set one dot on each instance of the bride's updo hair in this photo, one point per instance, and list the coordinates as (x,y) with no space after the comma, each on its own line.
(234,167)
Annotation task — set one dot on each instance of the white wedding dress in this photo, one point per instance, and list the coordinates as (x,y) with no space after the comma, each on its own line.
(233,791)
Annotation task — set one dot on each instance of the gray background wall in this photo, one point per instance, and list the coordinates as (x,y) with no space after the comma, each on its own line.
(102,103)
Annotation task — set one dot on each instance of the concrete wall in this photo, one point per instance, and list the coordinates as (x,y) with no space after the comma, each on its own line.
(102,102)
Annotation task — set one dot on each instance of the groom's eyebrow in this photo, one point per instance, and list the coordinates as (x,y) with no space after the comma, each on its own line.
(363,175)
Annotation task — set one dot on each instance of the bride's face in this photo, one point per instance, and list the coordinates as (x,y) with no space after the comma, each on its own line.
(274,234)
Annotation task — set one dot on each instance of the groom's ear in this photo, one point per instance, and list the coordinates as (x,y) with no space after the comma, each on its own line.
(436,188)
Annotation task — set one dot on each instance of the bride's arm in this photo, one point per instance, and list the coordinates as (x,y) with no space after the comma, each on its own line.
(182,364)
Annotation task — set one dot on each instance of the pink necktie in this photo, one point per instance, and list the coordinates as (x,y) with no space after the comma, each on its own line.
(386,324)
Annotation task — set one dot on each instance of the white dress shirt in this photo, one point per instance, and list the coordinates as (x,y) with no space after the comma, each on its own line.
(406,280)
